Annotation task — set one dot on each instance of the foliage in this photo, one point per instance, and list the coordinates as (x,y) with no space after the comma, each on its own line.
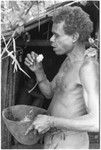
(17,13)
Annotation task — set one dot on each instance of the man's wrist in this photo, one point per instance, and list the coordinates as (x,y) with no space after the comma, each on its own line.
(39,70)
(52,121)
(42,79)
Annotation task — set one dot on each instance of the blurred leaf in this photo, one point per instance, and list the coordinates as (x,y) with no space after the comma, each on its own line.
(19,12)
(14,5)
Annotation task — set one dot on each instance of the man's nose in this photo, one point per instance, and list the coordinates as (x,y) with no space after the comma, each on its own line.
(52,39)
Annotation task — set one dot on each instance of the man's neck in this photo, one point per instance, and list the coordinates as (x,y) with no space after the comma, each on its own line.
(77,53)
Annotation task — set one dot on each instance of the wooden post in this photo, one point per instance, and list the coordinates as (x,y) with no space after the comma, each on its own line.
(7,98)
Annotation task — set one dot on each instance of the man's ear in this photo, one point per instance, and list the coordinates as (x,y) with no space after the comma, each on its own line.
(75,37)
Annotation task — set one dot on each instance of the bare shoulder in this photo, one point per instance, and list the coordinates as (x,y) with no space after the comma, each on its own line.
(89,73)
(90,63)
(89,66)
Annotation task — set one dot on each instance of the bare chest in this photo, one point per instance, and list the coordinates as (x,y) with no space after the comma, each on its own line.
(67,78)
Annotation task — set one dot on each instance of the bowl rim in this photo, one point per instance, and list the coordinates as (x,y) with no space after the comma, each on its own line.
(3,112)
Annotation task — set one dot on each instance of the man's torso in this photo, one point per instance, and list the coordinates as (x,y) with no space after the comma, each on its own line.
(68,100)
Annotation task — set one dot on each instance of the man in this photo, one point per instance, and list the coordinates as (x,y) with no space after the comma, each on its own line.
(74,109)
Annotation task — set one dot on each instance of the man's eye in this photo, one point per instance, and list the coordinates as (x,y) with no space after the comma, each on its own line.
(56,35)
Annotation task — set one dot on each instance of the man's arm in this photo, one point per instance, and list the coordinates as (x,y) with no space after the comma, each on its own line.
(89,75)
(45,86)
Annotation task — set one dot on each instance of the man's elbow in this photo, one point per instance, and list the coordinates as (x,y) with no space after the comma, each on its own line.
(95,126)
(94,122)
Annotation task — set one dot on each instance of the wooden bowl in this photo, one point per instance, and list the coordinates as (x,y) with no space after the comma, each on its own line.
(13,117)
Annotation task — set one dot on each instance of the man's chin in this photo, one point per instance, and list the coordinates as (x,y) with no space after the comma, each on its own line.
(55,49)
(58,52)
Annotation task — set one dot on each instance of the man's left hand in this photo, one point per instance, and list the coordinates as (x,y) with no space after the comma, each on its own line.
(42,123)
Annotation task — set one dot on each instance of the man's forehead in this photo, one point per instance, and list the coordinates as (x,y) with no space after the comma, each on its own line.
(57,26)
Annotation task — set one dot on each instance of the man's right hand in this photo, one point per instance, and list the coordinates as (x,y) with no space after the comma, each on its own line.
(32,62)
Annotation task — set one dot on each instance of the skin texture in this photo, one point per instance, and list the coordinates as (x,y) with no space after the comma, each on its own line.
(74,90)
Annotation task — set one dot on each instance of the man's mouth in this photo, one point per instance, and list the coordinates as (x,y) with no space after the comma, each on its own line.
(54,46)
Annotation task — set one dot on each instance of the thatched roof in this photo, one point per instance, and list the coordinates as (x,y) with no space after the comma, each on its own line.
(27,14)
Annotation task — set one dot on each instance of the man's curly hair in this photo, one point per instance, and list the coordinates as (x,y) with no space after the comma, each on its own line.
(75,20)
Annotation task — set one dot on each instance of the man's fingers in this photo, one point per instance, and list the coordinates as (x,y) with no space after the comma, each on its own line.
(33,55)
(30,58)
(29,129)
(42,131)
(28,61)
(26,132)
(35,132)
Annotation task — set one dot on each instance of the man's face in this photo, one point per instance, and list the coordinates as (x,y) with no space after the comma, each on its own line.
(61,42)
